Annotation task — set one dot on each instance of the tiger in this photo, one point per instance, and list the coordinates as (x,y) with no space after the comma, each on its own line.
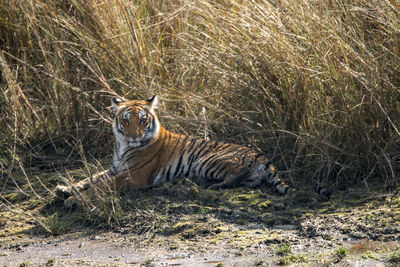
(146,154)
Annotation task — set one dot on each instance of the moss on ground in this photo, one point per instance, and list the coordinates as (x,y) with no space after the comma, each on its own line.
(243,218)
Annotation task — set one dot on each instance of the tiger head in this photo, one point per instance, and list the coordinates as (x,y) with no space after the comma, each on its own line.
(135,122)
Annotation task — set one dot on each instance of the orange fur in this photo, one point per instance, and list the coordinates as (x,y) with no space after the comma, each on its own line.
(147,154)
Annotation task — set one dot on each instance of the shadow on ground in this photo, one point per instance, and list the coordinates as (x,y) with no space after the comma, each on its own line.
(235,226)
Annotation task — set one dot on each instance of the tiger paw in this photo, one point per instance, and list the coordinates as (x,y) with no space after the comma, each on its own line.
(63,192)
(70,202)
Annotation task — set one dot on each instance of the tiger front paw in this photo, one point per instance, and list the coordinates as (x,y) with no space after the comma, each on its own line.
(63,192)
(71,202)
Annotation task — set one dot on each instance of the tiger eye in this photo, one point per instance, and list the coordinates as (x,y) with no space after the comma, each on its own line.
(142,120)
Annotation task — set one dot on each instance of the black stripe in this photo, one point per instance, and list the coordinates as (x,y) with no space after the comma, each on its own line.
(222,145)
(133,155)
(161,150)
(254,159)
(169,140)
(212,165)
(192,143)
(207,160)
(118,126)
(138,153)
(183,145)
(121,132)
(181,171)
(223,169)
(178,170)
(162,175)
(179,165)
(173,149)
(258,155)
(234,147)
(241,150)
(209,148)
(189,164)
(172,153)
(141,166)
(129,150)
(177,143)
(152,123)
(168,174)
(199,147)
(226,171)
(157,153)
(220,162)
(228,151)
(144,143)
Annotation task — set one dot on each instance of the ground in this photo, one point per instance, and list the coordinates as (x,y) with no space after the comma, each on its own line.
(182,224)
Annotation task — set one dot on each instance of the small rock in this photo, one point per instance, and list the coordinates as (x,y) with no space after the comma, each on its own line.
(96,237)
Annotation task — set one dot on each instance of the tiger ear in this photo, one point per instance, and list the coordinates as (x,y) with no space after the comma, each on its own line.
(153,102)
(115,102)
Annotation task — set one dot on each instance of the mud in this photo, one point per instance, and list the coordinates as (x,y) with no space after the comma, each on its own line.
(181,224)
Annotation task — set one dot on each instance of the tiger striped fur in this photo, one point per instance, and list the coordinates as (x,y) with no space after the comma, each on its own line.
(146,154)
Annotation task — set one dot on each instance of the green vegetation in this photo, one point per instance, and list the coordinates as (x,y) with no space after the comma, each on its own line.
(341,252)
(395,256)
(286,256)
(24,264)
(369,255)
(288,259)
(54,225)
(283,250)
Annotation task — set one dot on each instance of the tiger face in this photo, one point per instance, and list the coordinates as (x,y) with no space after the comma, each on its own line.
(135,123)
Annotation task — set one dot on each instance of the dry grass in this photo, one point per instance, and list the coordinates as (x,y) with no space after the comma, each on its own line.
(315,84)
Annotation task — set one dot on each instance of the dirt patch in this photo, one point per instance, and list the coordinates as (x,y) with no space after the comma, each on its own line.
(183,224)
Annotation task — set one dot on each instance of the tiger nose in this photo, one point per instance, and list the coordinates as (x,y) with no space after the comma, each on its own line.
(137,133)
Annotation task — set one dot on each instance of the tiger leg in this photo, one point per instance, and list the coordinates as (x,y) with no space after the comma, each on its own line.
(265,172)
(232,179)
(262,173)
(70,193)
(64,192)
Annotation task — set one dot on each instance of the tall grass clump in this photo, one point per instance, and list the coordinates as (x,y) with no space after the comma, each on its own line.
(314,84)
(320,77)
